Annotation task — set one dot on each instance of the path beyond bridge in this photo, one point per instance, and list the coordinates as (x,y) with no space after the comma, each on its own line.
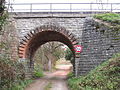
(52,81)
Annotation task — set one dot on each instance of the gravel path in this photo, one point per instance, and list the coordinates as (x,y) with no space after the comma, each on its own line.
(59,85)
(57,81)
(38,84)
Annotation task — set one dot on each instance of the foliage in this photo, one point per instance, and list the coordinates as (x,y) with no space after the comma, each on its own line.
(69,55)
(38,72)
(11,72)
(109,17)
(3,20)
(20,85)
(58,53)
(3,15)
(49,52)
(70,75)
(104,77)
(6,71)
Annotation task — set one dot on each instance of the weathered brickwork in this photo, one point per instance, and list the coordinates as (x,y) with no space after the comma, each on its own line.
(74,25)
(99,42)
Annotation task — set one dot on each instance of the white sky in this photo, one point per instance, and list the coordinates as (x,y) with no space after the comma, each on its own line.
(58,6)
(62,1)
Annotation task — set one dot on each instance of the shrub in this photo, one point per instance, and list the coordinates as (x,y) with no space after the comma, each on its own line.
(70,75)
(20,85)
(69,55)
(38,72)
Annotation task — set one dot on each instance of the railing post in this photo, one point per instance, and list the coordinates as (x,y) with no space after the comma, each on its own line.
(50,7)
(70,7)
(111,7)
(30,7)
(11,7)
(91,7)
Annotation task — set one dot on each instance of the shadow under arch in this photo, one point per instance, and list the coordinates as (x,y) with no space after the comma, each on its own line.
(43,34)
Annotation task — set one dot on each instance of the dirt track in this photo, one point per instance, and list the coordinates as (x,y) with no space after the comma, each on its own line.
(53,81)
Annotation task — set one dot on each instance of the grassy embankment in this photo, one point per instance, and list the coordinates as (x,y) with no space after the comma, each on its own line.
(105,77)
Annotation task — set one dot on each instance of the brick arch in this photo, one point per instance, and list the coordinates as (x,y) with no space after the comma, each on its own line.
(35,38)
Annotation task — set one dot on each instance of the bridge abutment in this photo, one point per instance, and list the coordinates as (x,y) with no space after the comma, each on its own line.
(99,41)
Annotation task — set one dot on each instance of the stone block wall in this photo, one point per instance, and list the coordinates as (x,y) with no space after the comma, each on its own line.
(99,42)
(74,25)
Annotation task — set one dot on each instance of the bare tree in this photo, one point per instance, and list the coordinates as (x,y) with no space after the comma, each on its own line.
(48,53)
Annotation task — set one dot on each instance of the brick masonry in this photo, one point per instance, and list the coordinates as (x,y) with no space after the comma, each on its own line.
(99,42)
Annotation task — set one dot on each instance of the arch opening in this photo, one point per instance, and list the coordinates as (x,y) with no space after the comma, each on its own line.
(44,37)
(41,35)
(53,55)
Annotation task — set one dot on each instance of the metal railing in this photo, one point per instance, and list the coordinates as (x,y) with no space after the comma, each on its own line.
(63,7)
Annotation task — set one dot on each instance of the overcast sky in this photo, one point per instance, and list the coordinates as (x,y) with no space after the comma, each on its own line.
(62,1)
(58,6)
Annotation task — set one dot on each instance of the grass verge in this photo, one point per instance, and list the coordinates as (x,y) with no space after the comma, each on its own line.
(113,18)
(20,85)
(38,72)
(105,77)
